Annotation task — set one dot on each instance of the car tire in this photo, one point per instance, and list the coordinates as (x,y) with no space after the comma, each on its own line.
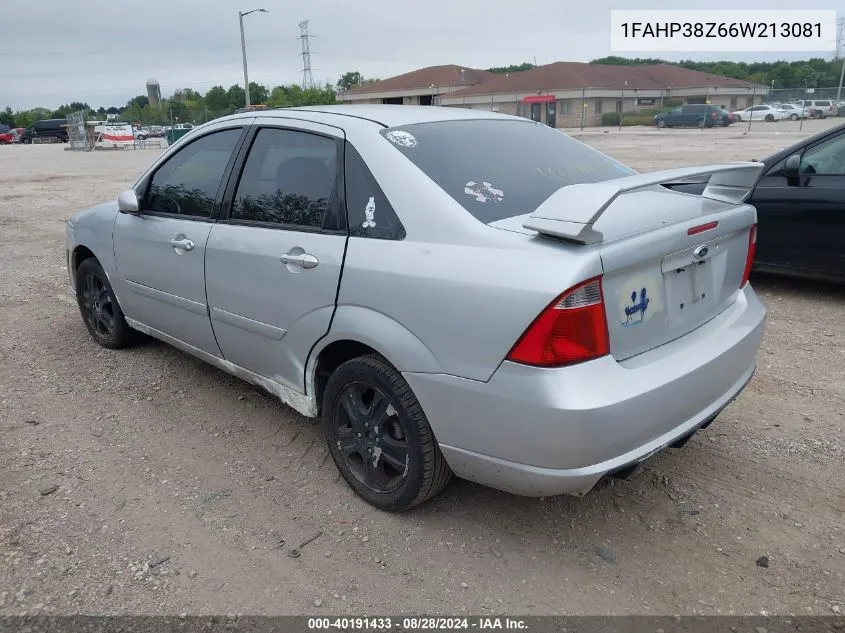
(2,141)
(100,310)
(661,123)
(793,117)
(770,118)
(141,137)
(385,413)
(26,142)
(701,124)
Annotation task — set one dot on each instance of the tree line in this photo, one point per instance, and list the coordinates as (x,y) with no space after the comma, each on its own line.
(190,105)
(184,105)
(812,73)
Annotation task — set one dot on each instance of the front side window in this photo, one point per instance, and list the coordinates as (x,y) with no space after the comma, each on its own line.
(825,159)
(500,168)
(289,178)
(187,183)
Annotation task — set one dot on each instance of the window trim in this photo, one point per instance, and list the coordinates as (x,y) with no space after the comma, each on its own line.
(147,182)
(402,232)
(237,174)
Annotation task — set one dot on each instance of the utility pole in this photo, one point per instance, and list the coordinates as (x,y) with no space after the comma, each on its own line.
(838,51)
(307,77)
(241,16)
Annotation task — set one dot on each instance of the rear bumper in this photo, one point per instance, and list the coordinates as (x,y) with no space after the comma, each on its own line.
(543,432)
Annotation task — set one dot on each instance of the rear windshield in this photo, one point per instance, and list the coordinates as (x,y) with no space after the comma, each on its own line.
(498,169)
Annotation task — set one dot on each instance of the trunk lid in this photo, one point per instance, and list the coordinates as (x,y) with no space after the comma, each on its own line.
(662,282)
(672,261)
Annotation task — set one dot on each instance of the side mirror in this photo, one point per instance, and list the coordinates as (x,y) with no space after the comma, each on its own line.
(127,202)
(791,166)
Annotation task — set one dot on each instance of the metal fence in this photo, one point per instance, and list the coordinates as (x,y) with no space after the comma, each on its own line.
(77,134)
(788,95)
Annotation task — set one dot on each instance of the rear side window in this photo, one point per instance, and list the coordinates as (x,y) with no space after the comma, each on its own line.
(370,213)
(289,178)
(500,168)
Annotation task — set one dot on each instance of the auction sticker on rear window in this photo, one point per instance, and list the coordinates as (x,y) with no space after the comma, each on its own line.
(401,138)
(483,191)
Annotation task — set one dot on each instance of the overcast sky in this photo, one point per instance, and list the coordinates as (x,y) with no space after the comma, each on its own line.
(56,51)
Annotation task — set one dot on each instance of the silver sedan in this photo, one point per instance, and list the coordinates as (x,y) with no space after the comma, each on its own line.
(447,290)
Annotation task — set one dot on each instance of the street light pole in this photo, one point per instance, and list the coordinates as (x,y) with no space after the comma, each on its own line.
(241,16)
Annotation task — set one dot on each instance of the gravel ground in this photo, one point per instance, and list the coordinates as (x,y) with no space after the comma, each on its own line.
(144,481)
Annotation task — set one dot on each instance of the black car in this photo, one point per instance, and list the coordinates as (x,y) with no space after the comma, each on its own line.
(693,114)
(800,202)
(48,128)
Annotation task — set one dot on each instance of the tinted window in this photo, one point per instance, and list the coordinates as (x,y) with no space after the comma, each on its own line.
(826,159)
(187,183)
(368,210)
(289,178)
(500,168)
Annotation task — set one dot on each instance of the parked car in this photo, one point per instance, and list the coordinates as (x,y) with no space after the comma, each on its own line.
(698,115)
(818,108)
(761,113)
(793,111)
(449,291)
(800,201)
(7,138)
(840,108)
(48,128)
(727,117)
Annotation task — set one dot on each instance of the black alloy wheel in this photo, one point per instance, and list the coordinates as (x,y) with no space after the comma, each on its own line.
(99,307)
(379,437)
(371,437)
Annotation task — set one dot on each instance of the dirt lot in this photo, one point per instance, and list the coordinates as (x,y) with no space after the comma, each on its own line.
(154,457)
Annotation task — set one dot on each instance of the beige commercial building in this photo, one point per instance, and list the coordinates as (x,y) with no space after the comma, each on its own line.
(562,94)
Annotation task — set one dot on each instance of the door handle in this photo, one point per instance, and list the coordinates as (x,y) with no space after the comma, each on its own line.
(300,259)
(183,244)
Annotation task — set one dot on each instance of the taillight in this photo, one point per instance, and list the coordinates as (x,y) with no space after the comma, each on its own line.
(572,329)
(749,259)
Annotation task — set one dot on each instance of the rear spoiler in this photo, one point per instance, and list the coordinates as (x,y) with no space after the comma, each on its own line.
(571,211)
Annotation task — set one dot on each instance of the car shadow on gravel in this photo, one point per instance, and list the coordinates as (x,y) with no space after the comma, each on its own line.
(798,287)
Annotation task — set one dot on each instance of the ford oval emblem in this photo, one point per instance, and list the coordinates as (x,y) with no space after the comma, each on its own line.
(701,251)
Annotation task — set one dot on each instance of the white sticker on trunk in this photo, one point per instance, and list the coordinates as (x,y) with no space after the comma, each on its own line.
(370,213)
(401,138)
(640,300)
(483,191)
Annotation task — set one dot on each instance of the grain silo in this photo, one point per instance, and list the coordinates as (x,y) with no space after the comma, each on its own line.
(153,91)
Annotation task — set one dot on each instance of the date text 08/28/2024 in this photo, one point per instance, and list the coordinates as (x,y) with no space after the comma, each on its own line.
(414,623)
